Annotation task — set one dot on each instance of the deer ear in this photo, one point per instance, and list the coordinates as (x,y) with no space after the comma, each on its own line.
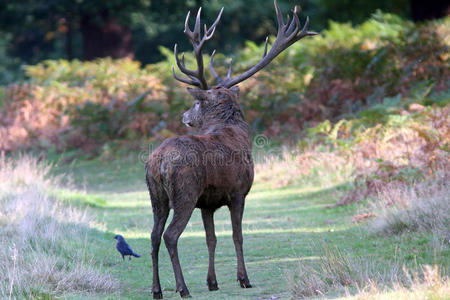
(235,90)
(196,93)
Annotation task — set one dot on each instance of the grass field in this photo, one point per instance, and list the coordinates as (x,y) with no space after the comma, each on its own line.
(285,229)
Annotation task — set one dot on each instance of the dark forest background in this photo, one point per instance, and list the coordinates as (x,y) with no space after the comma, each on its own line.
(35,30)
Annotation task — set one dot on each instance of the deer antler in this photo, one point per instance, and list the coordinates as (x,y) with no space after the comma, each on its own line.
(287,35)
(196,77)
(213,71)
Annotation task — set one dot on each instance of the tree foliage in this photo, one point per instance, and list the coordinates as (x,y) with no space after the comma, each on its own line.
(45,29)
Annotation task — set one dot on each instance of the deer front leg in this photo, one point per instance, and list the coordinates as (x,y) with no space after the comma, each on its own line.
(211,241)
(236,211)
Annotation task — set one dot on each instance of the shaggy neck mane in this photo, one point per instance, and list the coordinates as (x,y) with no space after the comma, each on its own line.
(223,115)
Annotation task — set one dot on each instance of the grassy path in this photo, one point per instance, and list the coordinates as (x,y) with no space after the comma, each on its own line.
(281,227)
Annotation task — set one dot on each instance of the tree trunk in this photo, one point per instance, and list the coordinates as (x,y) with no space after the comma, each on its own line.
(105,38)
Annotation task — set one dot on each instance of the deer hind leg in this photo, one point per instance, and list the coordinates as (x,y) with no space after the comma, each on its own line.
(179,221)
(236,211)
(211,241)
(160,206)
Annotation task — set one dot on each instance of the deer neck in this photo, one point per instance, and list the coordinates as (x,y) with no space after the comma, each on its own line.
(229,123)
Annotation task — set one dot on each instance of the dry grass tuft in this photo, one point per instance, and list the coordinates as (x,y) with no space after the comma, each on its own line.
(429,283)
(423,206)
(37,258)
(335,271)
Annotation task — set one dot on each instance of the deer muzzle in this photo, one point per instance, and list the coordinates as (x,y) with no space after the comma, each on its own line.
(187,119)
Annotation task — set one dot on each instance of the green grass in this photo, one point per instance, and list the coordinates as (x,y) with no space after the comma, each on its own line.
(281,229)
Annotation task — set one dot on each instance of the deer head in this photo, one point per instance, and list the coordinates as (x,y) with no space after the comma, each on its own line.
(210,101)
(214,105)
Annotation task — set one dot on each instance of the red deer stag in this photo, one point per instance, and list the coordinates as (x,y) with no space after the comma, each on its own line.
(215,167)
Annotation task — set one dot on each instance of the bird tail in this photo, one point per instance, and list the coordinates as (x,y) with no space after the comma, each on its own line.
(136,255)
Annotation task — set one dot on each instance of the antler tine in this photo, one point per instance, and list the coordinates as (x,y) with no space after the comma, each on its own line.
(213,26)
(265,47)
(197,25)
(295,24)
(180,64)
(182,60)
(305,31)
(191,82)
(287,22)
(280,18)
(184,65)
(187,30)
(287,35)
(211,68)
(205,30)
(208,36)
(230,68)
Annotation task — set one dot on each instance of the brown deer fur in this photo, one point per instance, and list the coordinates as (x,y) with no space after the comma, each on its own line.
(206,171)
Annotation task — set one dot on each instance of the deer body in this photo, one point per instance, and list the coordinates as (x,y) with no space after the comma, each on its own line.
(207,171)
(215,167)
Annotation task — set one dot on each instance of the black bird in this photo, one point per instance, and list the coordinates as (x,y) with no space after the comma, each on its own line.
(124,248)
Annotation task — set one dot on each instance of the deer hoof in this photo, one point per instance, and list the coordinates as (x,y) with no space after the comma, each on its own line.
(212,285)
(245,283)
(157,295)
(185,293)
